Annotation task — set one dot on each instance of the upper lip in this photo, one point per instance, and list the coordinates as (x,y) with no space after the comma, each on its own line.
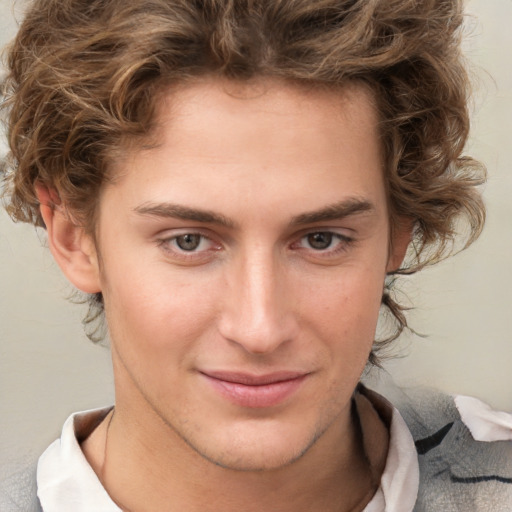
(250,379)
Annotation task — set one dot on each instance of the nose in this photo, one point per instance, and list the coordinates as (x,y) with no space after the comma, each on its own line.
(258,310)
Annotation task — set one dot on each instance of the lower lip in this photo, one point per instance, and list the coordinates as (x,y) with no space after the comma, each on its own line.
(266,395)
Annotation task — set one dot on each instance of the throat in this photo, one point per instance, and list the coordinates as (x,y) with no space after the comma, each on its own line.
(340,473)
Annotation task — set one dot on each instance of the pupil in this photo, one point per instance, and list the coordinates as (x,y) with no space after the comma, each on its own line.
(320,240)
(188,242)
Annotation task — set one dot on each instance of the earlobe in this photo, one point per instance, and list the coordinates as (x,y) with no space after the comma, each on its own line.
(400,240)
(73,249)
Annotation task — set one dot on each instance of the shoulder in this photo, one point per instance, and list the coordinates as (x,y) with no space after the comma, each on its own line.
(18,486)
(458,471)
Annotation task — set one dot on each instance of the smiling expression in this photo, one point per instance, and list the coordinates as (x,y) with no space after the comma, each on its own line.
(242,262)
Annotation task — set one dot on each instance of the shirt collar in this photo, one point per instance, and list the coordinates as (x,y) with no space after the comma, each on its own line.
(65,480)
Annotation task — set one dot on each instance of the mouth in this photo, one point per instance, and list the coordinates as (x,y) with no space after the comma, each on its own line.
(255,391)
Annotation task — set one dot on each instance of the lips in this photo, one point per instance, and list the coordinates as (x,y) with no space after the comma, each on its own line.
(257,391)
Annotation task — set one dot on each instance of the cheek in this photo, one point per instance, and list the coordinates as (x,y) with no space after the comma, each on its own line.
(347,301)
(156,314)
(343,312)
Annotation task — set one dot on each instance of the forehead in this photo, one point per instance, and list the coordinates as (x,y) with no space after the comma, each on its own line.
(249,109)
(265,140)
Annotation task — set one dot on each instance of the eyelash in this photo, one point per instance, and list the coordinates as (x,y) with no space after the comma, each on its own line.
(341,243)
(168,245)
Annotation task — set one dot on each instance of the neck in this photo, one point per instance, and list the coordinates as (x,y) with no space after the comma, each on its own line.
(148,467)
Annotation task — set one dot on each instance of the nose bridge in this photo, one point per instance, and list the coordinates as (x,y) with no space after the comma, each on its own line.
(258,314)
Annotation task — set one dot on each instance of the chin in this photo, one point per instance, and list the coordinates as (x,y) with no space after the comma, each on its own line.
(255,460)
(261,450)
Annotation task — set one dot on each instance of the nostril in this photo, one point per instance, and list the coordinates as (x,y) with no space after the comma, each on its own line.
(258,335)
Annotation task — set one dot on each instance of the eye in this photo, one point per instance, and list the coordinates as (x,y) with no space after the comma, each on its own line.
(320,241)
(323,244)
(188,242)
(189,247)
(324,241)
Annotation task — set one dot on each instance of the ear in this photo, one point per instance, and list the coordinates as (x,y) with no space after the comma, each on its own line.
(73,250)
(401,236)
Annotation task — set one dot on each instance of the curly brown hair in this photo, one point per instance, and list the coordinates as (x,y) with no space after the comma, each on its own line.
(84,76)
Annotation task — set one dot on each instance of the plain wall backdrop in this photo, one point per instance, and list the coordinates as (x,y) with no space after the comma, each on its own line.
(49,369)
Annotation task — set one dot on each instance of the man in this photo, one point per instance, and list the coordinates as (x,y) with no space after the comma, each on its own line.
(231,182)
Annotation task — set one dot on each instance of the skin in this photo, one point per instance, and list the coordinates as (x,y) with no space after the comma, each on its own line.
(281,193)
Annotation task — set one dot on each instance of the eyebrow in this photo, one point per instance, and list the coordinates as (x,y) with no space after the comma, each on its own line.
(335,211)
(176,211)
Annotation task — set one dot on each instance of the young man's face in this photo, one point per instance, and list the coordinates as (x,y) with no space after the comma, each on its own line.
(242,262)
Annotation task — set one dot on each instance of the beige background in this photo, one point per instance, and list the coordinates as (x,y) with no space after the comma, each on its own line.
(48,368)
